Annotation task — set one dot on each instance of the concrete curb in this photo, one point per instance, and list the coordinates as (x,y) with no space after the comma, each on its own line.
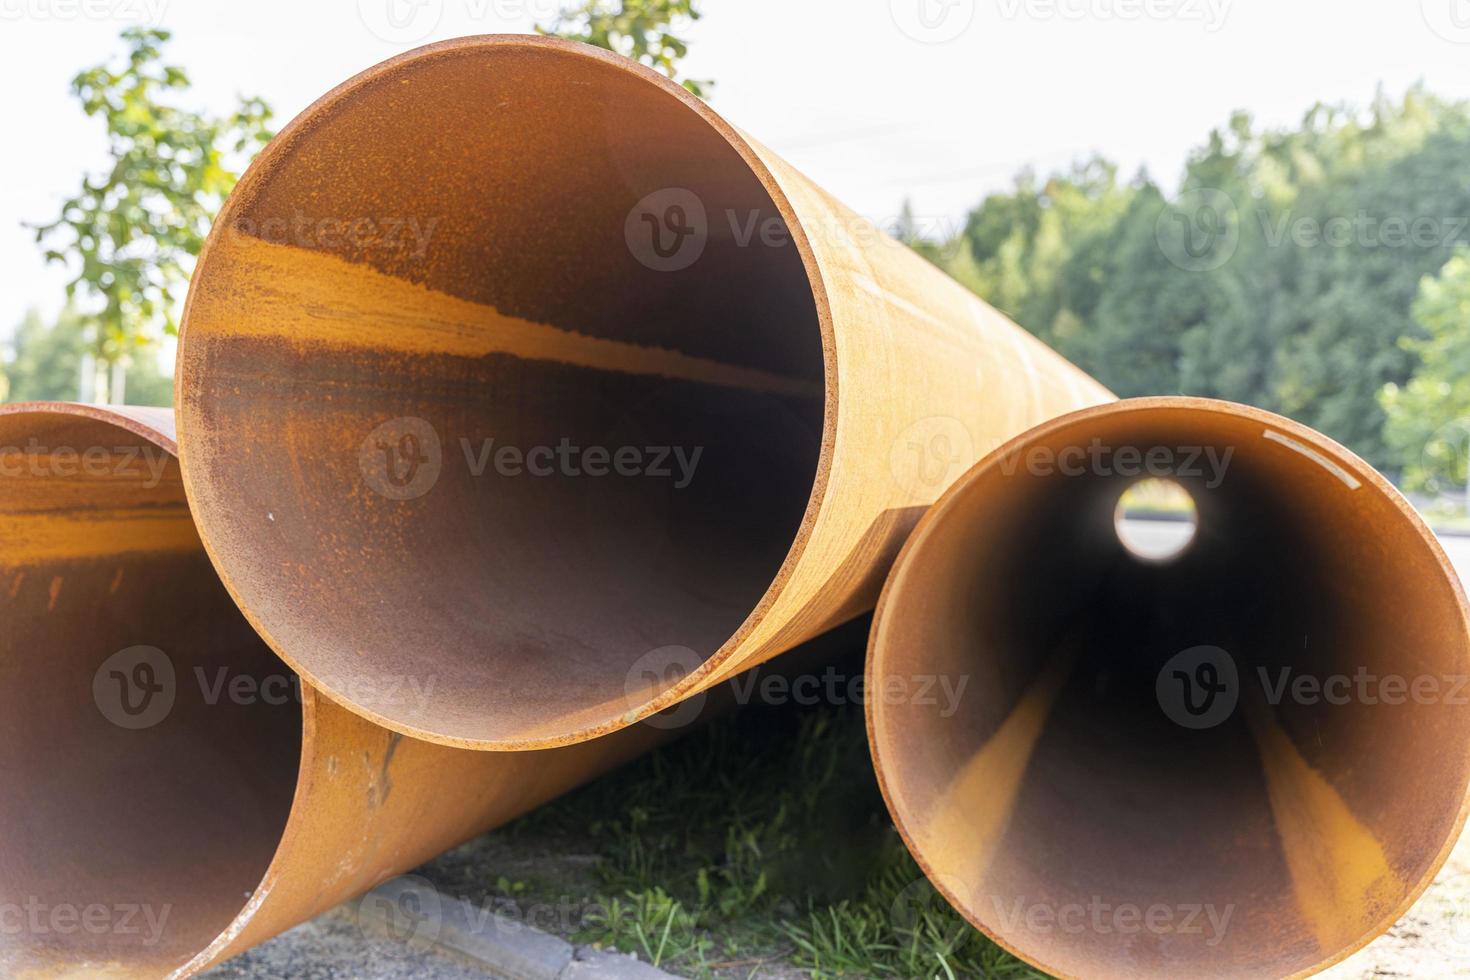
(412,911)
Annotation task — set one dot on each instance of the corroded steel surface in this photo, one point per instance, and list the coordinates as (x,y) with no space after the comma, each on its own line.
(538,243)
(1264,743)
(169,800)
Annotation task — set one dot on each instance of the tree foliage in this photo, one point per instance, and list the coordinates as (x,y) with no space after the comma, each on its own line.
(1281,273)
(644,30)
(130,235)
(1311,270)
(45,361)
(1429,416)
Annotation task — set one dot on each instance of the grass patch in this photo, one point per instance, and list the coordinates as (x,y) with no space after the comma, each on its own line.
(759,846)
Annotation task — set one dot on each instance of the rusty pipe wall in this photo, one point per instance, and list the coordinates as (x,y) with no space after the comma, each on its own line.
(169,801)
(1245,761)
(473,275)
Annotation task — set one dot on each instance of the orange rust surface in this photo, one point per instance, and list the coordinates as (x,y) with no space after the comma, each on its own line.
(229,822)
(835,382)
(1309,825)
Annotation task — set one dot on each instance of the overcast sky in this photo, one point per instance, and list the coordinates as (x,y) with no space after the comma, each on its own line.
(940,101)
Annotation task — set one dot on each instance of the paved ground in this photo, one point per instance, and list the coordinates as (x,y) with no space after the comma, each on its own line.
(334,947)
(1433,940)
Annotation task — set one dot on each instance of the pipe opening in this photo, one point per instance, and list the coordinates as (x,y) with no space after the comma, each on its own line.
(567,417)
(1260,744)
(1156,520)
(148,770)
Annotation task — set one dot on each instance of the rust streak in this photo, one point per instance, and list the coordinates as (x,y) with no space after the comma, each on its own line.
(993,776)
(308,297)
(1342,878)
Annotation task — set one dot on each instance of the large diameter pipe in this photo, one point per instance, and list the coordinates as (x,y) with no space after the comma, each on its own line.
(1246,760)
(512,366)
(169,802)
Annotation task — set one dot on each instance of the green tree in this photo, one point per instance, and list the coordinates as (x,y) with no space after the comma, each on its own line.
(1428,418)
(129,237)
(1019,244)
(644,30)
(45,361)
(1393,182)
(1281,274)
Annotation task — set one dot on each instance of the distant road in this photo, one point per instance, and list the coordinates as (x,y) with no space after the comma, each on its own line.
(1458,548)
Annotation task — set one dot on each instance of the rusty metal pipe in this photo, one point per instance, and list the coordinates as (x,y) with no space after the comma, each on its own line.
(1263,743)
(165,806)
(540,243)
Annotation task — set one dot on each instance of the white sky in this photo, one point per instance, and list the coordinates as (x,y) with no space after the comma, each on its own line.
(837,86)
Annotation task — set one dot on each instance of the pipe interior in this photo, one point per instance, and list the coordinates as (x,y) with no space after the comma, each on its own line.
(1072,775)
(140,809)
(507,596)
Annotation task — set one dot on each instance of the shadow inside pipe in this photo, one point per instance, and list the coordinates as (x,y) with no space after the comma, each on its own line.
(578,422)
(1230,741)
(149,740)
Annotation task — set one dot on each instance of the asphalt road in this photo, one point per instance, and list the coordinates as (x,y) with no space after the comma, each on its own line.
(1458,548)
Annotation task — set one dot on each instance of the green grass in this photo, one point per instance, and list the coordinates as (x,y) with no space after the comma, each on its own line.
(760,846)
